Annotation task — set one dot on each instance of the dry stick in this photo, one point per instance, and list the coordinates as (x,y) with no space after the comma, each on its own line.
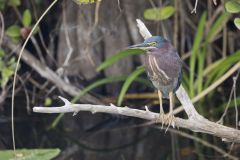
(196,122)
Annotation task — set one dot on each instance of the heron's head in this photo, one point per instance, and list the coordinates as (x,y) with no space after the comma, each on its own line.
(152,42)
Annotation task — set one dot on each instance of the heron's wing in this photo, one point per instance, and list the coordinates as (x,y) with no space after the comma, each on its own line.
(169,64)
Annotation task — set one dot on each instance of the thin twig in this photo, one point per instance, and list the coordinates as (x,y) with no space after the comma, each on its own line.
(195,7)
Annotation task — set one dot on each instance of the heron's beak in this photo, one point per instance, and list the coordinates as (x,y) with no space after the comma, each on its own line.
(140,46)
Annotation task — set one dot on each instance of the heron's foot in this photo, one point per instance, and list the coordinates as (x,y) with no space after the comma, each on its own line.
(170,120)
(162,119)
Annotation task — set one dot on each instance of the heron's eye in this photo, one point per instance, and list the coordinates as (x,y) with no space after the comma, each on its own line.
(152,43)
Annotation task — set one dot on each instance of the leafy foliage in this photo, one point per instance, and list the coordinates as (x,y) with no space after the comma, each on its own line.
(13,31)
(48,101)
(116,57)
(222,67)
(195,50)
(237,22)
(2,5)
(232,6)
(6,68)
(14,3)
(128,82)
(158,14)
(27,18)
(29,154)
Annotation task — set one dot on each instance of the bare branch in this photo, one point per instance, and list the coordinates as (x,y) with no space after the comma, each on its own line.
(196,125)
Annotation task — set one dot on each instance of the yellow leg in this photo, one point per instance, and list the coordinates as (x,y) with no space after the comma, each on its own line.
(160,101)
(161,114)
(171,102)
(170,116)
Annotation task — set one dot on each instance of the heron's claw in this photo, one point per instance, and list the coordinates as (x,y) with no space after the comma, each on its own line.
(162,119)
(170,121)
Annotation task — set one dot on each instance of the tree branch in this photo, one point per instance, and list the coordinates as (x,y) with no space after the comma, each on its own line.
(196,125)
(195,121)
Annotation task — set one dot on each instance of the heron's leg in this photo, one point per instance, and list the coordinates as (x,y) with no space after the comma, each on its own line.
(161,114)
(160,101)
(170,116)
(171,98)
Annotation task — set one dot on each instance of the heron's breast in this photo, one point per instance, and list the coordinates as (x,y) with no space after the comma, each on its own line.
(154,72)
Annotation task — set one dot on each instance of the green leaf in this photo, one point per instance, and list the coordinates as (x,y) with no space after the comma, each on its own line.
(27,18)
(211,67)
(158,14)
(214,30)
(2,53)
(199,81)
(2,5)
(195,49)
(14,3)
(128,82)
(12,61)
(48,101)
(6,73)
(98,83)
(237,22)
(222,67)
(232,6)
(217,26)
(29,154)
(13,31)
(85,1)
(16,39)
(104,81)
(109,61)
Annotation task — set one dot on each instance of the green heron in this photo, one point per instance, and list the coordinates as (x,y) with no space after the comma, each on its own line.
(163,66)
